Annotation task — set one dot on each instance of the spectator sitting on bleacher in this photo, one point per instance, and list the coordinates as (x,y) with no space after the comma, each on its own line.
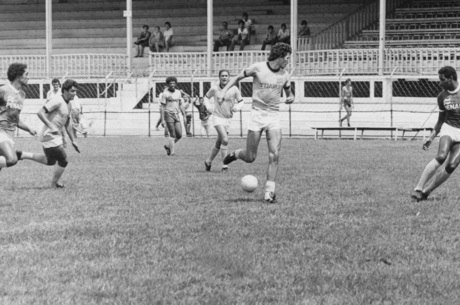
(248,23)
(142,41)
(283,34)
(157,40)
(168,34)
(270,38)
(242,38)
(225,37)
(304,31)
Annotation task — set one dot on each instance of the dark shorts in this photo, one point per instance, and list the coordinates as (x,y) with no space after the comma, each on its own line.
(347,103)
(55,154)
(171,117)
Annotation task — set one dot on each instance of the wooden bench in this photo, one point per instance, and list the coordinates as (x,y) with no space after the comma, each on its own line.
(416,130)
(355,130)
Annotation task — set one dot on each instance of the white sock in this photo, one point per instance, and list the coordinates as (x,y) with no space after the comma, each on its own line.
(171,144)
(237,153)
(223,151)
(270,187)
(2,161)
(27,155)
(428,172)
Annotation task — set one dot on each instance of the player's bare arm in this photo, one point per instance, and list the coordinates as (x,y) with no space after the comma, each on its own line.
(289,95)
(436,130)
(162,115)
(25,127)
(232,82)
(42,116)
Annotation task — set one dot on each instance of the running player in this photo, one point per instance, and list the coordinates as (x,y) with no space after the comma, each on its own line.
(222,116)
(448,128)
(347,101)
(269,79)
(55,115)
(12,99)
(171,107)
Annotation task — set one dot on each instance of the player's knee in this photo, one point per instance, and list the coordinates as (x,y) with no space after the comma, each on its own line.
(251,157)
(225,141)
(441,157)
(274,156)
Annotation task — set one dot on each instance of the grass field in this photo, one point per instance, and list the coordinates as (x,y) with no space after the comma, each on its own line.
(134,226)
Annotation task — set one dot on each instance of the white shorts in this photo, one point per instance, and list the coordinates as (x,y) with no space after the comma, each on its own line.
(452,132)
(5,137)
(264,120)
(220,121)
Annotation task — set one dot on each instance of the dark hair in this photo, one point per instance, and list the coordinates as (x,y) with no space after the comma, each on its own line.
(245,14)
(241,21)
(16,70)
(224,70)
(280,49)
(270,27)
(304,22)
(168,23)
(347,80)
(225,23)
(448,72)
(145,27)
(55,81)
(68,84)
(171,79)
(283,24)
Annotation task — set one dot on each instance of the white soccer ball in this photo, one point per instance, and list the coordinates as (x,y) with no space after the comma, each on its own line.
(249,183)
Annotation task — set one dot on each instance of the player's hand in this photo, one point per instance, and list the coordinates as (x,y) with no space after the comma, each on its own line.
(426,145)
(289,100)
(54,130)
(163,124)
(75,145)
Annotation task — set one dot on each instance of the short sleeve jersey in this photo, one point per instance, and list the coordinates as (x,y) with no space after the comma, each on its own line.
(449,102)
(267,86)
(57,112)
(11,104)
(52,94)
(171,101)
(232,97)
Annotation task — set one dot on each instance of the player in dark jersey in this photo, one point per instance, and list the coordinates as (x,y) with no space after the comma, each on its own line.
(448,128)
(12,99)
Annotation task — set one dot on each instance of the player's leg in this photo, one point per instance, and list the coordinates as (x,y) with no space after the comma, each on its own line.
(348,109)
(8,155)
(170,127)
(40,158)
(443,173)
(445,144)
(248,154)
(274,147)
(215,149)
(59,156)
(188,125)
(224,144)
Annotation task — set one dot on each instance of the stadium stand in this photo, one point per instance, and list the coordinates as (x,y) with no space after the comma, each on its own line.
(85,26)
(419,23)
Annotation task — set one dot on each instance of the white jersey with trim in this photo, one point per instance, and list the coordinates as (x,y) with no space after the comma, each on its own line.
(171,100)
(267,86)
(231,98)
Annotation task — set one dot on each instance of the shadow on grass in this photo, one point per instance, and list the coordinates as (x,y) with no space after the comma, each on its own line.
(30,188)
(244,199)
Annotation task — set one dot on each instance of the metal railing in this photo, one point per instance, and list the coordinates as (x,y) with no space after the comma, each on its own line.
(326,62)
(73,65)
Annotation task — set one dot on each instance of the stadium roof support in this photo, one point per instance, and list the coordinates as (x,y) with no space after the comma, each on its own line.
(382,36)
(294,15)
(49,36)
(210,35)
(129,33)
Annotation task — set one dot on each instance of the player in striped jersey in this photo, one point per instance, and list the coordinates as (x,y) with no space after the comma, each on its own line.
(12,99)
(269,79)
(222,115)
(171,107)
(448,128)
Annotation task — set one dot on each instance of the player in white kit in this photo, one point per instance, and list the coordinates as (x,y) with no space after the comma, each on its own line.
(222,115)
(269,79)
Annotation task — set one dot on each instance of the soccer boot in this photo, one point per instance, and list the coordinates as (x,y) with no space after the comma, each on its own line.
(168,150)
(207,166)
(224,168)
(229,158)
(418,195)
(19,154)
(270,197)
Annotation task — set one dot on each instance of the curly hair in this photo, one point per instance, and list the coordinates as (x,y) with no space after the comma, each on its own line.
(279,50)
(449,72)
(171,79)
(16,70)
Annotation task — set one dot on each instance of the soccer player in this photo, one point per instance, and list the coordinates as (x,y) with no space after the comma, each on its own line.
(448,128)
(12,98)
(204,113)
(171,107)
(347,101)
(269,79)
(55,90)
(222,116)
(55,115)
